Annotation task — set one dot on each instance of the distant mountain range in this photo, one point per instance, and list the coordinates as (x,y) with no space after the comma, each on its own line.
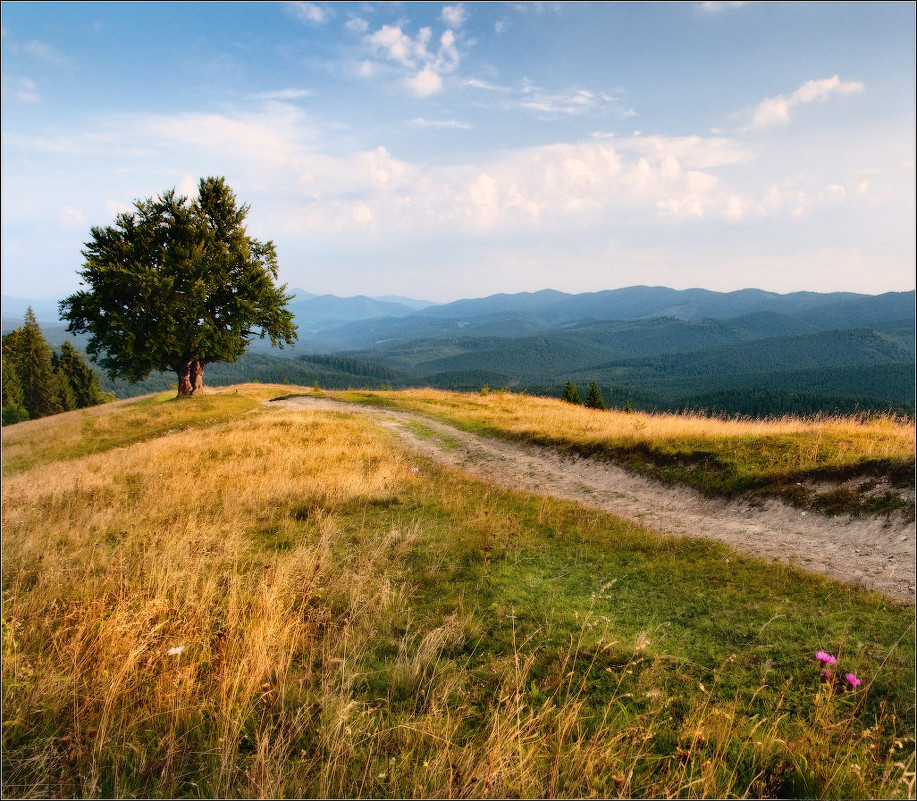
(746,352)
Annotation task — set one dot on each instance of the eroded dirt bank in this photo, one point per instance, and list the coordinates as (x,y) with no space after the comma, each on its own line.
(876,552)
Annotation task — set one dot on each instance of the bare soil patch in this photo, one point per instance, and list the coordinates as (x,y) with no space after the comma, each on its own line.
(877,552)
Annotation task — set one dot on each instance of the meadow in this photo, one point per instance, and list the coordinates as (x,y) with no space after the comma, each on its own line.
(727,457)
(213,597)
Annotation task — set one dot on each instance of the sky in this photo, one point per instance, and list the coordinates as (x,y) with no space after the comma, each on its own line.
(443,151)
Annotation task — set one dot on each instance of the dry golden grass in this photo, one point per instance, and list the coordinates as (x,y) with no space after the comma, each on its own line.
(112,560)
(725,453)
(276,604)
(532,417)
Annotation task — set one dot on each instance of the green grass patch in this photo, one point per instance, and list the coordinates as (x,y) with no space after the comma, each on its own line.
(420,430)
(100,429)
(646,630)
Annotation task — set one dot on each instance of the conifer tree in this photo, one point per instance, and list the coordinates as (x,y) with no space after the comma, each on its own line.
(78,379)
(32,358)
(594,398)
(65,391)
(571,395)
(14,410)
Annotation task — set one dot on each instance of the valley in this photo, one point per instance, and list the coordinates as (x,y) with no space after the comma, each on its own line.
(749,353)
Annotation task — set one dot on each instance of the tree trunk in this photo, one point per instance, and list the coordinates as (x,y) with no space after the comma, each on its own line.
(197,377)
(190,374)
(183,371)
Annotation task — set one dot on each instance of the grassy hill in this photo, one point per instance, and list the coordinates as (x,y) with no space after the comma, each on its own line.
(215,597)
(775,457)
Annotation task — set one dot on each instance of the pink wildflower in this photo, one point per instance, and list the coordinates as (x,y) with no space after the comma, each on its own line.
(825,658)
(852,680)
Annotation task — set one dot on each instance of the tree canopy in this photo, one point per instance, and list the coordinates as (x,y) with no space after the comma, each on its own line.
(178,284)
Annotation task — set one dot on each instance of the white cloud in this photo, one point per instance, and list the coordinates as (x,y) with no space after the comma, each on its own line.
(363,214)
(426,82)
(25,91)
(396,45)
(427,67)
(309,12)
(455,16)
(490,87)
(45,52)
(801,201)
(282,94)
(424,123)
(448,56)
(572,102)
(71,217)
(772,110)
(811,91)
(298,189)
(712,7)
(694,152)
(776,110)
(357,25)
(833,194)
(188,187)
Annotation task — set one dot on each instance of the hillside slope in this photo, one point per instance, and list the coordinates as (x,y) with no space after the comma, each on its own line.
(216,597)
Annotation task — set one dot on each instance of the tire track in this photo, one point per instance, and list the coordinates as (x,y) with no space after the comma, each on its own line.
(874,552)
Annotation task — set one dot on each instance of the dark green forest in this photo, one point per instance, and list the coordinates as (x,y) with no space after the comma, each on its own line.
(746,353)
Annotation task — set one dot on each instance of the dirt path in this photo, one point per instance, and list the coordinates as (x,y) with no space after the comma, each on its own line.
(874,552)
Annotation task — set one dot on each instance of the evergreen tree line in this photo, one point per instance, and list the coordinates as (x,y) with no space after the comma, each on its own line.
(594,399)
(38,381)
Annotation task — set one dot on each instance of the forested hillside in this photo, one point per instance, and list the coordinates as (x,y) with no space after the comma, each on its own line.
(748,352)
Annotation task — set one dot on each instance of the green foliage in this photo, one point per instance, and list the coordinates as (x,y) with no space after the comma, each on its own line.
(14,410)
(177,285)
(79,382)
(30,357)
(38,382)
(763,402)
(571,395)
(594,398)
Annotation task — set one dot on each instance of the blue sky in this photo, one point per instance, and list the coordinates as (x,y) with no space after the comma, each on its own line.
(456,150)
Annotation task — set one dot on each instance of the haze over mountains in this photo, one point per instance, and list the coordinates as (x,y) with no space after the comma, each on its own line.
(749,351)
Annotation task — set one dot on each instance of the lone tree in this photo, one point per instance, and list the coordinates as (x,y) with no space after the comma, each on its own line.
(176,285)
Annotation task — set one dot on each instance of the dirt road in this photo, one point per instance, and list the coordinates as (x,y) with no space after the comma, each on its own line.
(877,553)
